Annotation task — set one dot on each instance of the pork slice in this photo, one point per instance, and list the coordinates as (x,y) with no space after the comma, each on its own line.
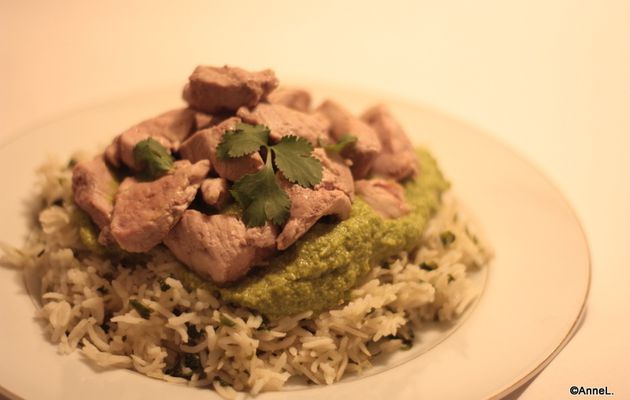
(144,212)
(332,196)
(219,246)
(215,192)
(283,121)
(398,159)
(367,147)
(297,99)
(212,89)
(203,146)
(170,129)
(203,120)
(94,187)
(335,173)
(386,197)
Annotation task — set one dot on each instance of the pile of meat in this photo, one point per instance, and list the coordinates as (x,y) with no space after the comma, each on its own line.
(137,215)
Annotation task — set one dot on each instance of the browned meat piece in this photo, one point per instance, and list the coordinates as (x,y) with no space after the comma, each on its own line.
(94,188)
(335,173)
(219,246)
(203,120)
(212,89)
(144,212)
(169,129)
(283,121)
(367,146)
(386,197)
(297,99)
(332,196)
(203,146)
(398,158)
(215,192)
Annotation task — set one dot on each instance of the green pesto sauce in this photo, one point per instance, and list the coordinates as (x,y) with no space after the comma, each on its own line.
(320,269)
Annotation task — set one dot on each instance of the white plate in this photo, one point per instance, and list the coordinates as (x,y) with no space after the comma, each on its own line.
(534,296)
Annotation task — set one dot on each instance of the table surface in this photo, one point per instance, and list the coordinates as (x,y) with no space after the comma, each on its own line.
(548,78)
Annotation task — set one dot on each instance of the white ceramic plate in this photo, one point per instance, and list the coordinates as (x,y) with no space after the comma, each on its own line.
(534,295)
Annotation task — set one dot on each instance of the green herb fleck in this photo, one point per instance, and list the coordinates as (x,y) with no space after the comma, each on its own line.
(193,334)
(152,158)
(259,194)
(71,163)
(163,285)
(346,141)
(102,290)
(142,310)
(227,321)
(192,361)
(428,266)
(451,278)
(447,237)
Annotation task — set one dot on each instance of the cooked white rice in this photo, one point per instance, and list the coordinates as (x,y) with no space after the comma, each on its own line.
(191,337)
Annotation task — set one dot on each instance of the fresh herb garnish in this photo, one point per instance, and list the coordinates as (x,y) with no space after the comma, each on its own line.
(259,194)
(142,310)
(447,237)
(345,141)
(153,159)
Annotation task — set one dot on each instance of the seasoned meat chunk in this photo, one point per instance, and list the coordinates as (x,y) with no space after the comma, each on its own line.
(332,196)
(297,99)
(283,121)
(212,89)
(203,120)
(219,246)
(203,146)
(169,129)
(386,197)
(144,212)
(94,187)
(215,192)
(367,146)
(398,159)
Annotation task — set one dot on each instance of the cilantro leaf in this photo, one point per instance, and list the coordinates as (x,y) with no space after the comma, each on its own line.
(345,141)
(294,160)
(261,197)
(153,158)
(242,140)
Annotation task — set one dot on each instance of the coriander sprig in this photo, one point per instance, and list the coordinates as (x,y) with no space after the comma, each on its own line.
(152,158)
(259,194)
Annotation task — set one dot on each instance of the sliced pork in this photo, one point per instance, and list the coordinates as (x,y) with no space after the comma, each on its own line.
(215,192)
(367,147)
(94,188)
(169,129)
(398,159)
(219,246)
(297,99)
(212,89)
(283,121)
(144,212)
(332,196)
(203,146)
(386,197)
